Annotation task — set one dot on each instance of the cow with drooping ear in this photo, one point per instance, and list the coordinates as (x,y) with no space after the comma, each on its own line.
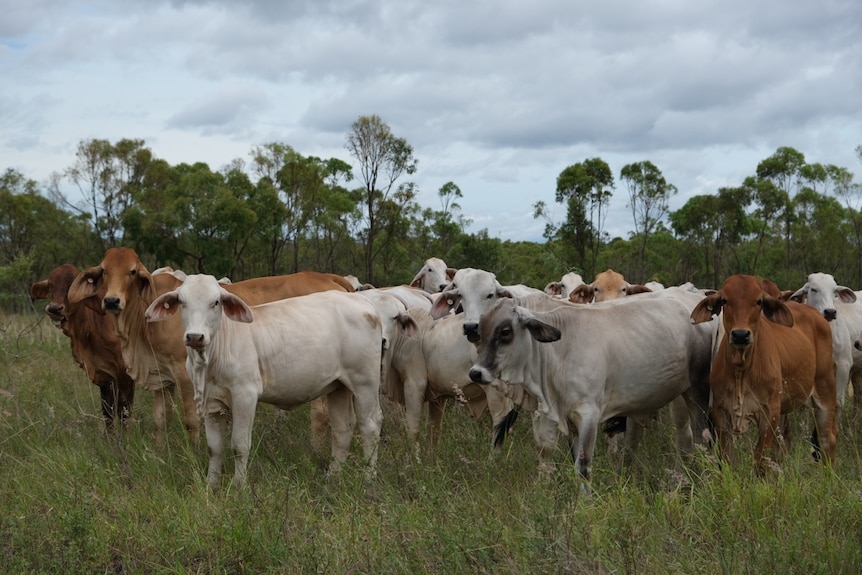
(773,357)
(285,353)
(95,345)
(587,364)
(433,276)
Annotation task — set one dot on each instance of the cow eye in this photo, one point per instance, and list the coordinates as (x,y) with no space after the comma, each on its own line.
(215,303)
(489,296)
(759,302)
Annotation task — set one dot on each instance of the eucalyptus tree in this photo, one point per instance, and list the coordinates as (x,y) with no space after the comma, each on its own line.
(36,231)
(382,160)
(106,176)
(714,225)
(586,189)
(649,197)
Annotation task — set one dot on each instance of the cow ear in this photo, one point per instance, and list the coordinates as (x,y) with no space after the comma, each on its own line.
(446,302)
(163,307)
(582,294)
(799,295)
(503,292)
(636,289)
(541,331)
(706,308)
(450,273)
(40,290)
(85,285)
(235,308)
(554,289)
(417,281)
(776,311)
(406,325)
(846,294)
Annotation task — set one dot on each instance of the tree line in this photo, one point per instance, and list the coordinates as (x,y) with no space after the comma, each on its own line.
(280,212)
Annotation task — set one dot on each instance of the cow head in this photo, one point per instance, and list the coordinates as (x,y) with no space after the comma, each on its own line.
(434,276)
(505,334)
(202,302)
(607,285)
(475,291)
(742,300)
(821,291)
(56,290)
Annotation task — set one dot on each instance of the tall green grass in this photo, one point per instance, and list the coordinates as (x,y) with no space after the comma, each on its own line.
(73,500)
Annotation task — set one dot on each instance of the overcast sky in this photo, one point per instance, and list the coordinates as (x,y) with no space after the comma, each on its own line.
(496,96)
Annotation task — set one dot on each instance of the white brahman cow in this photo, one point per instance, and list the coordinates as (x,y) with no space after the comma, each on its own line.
(433,276)
(285,353)
(838,305)
(476,291)
(564,287)
(588,363)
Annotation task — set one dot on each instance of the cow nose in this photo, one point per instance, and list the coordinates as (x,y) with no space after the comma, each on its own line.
(54,309)
(471,330)
(830,314)
(857,345)
(111,303)
(476,375)
(195,340)
(740,337)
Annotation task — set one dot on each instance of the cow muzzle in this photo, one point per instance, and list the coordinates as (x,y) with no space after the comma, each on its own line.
(471,330)
(56,313)
(740,337)
(112,303)
(195,340)
(830,314)
(481,375)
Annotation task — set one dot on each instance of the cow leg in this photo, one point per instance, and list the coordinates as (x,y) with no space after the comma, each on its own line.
(588,421)
(160,399)
(681,414)
(632,437)
(215,423)
(319,423)
(500,408)
(436,409)
(769,432)
(190,412)
(545,434)
(369,417)
(125,399)
(341,424)
(856,381)
(825,420)
(414,399)
(722,423)
(107,393)
(243,408)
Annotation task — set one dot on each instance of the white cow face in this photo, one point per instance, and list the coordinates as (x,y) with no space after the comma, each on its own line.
(475,291)
(202,302)
(504,346)
(821,292)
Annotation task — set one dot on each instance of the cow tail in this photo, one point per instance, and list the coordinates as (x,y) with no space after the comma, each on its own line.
(504,426)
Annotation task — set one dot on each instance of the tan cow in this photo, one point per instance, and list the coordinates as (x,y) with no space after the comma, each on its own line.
(95,345)
(772,359)
(607,285)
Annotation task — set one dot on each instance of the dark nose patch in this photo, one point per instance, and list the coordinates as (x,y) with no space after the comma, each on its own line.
(112,303)
(195,339)
(476,375)
(830,314)
(740,337)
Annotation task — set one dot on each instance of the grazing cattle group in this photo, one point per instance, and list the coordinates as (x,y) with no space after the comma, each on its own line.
(578,357)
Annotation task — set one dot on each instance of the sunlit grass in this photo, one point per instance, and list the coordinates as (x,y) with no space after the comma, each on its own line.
(73,500)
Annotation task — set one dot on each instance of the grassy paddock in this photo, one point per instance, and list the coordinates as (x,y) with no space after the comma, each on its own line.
(75,501)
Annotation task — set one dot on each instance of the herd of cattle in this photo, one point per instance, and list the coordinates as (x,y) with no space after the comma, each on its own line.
(576,356)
